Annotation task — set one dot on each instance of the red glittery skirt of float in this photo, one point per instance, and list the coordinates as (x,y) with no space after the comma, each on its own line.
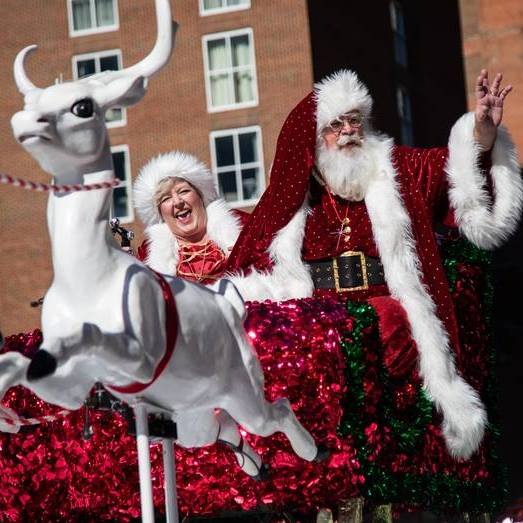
(360,398)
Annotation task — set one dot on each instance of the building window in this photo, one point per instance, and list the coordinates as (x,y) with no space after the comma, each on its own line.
(230,70)
(87,64)
(237,160)
(405,115)
(122,207)
(92,16)
(214,7)
(397,21)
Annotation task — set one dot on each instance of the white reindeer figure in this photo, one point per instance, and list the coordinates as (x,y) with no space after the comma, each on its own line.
(104,317)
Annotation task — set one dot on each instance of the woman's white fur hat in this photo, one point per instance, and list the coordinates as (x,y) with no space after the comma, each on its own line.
(338,94)
(170,165)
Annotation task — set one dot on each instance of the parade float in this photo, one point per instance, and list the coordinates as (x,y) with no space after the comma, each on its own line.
(176,366)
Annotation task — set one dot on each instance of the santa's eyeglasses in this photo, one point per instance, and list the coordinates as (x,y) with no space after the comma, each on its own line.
(355,121)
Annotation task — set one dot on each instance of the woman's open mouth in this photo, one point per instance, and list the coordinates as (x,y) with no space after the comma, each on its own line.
(184,216)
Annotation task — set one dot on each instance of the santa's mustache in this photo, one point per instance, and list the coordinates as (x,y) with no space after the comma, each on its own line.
(345,139)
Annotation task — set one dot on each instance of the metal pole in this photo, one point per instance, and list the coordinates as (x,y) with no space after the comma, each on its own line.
(144,462)
(169,472)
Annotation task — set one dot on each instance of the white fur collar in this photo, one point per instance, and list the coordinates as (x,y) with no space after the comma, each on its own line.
(223,228)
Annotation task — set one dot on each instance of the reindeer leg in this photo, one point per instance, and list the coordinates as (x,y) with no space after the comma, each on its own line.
(260,417)
(13,366)
(120,351)
(248,459)
(68,391)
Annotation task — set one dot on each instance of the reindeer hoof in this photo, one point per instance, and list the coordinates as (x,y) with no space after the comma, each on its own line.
(263,474)
(322,454)
(42,364)
(246,461)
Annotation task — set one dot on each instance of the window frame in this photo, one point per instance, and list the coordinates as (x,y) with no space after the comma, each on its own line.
(235,131)
(400,45)
(207,73)
(220,10)
(406,120)
(128,183)
(73,33)
(96,55)
(237,167)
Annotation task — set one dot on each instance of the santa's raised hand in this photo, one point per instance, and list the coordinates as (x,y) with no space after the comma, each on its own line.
(489,108)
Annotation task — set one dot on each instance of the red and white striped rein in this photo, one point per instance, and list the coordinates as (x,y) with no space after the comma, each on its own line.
(18,421)
(44,187)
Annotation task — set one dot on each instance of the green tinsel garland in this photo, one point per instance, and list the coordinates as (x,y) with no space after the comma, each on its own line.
(436,492)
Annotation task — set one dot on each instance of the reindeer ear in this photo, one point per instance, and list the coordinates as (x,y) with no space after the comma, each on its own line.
(122,91)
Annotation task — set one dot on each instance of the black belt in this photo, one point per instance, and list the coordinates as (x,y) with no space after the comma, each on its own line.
(351,271)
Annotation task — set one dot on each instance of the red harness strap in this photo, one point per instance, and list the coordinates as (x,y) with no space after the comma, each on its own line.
(171,325)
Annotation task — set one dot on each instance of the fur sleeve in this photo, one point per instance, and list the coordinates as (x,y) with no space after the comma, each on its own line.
(484,220)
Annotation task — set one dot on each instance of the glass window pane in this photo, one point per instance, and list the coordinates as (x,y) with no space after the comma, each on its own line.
(119,165)
(237,2)
(85,67)
(217,52)
(104,12)
(243,87)
(249,183)
(114,114)
(120,202)
(240,50)
(81,15)
(248,147)
(224,151)
(109,63)
(227,183)
(221,93)
(212,4)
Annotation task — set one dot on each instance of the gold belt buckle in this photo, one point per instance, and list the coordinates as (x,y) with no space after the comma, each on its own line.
(336,273)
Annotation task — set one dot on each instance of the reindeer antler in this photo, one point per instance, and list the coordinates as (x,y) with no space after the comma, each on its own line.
(160,53)
(146,68)
(22,80)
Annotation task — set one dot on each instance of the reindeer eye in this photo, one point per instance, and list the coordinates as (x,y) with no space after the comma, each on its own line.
(83,108)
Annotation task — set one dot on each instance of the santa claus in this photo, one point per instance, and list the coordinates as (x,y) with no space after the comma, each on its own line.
(189,230)
(349,214)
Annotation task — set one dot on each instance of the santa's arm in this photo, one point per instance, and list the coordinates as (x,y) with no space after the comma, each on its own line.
(487,204)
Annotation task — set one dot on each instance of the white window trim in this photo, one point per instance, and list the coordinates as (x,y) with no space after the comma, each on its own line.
(220,10)
(237,167)
(100,54)
(207,72)
(93,30)
(128,182)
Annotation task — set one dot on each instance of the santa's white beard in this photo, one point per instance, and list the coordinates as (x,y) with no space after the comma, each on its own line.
(347,171)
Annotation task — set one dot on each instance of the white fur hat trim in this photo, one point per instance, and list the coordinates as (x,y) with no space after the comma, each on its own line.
(173,164)
(338,94)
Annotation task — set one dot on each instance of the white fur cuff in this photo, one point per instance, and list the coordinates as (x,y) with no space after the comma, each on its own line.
(484,221)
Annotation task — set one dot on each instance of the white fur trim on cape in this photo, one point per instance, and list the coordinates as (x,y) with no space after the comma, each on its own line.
(223,228)
(485,221)
(338,94)
(464,417)
(169,165)
(289,278)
